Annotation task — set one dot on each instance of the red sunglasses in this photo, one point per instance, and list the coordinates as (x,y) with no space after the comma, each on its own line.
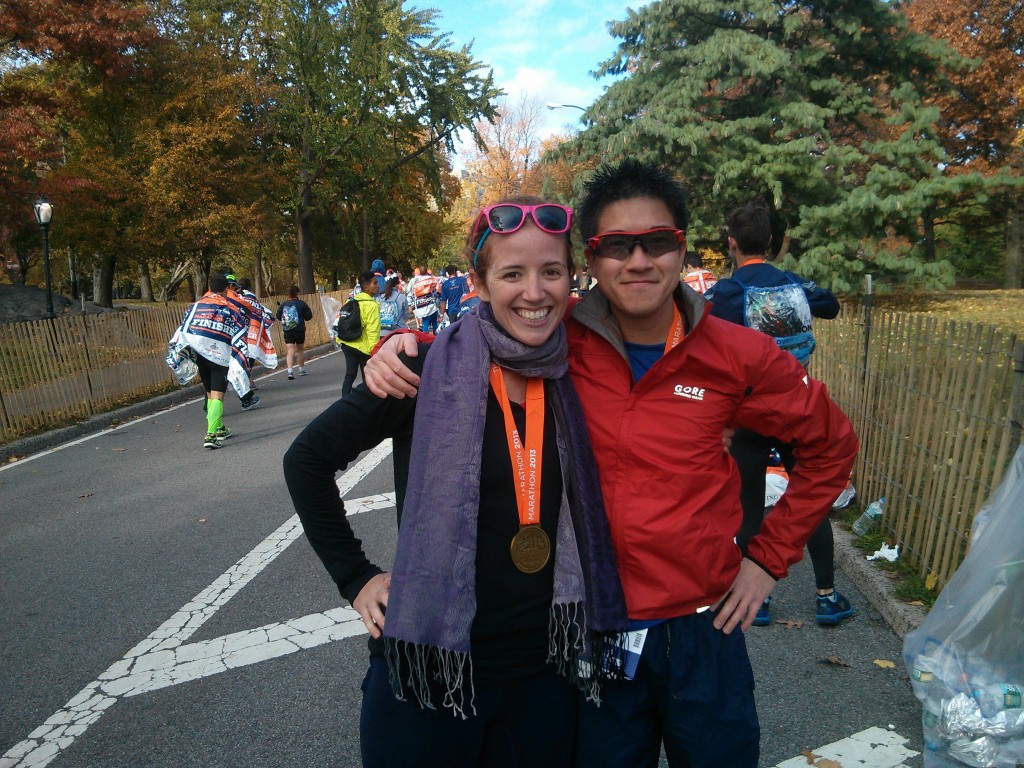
(619,245)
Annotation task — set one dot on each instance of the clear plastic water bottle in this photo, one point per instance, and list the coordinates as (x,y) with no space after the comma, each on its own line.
(993,699)
(923,676)
(870,517)
(931,714)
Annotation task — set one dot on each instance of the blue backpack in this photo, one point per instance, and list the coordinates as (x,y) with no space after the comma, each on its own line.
(388,313)
(290,317)
(782,312)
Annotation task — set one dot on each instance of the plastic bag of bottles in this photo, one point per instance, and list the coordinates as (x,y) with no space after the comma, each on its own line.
(966,660)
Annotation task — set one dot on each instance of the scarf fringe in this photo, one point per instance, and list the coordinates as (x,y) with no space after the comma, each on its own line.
(572,650)
(429,666)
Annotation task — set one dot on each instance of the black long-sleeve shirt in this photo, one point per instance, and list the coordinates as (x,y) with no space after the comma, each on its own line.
(509,637)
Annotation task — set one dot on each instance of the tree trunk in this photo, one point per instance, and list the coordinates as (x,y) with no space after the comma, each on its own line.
(784,249)
(104,296)
(304,241)
(1011,271)
(304,225)
(145,281)
(257,272)
(928,225)
(202,273)
(179,274)
(272,289)
(366,240)
(72,273)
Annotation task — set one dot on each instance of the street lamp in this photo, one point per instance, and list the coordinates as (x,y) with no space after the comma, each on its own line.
(44,212)
(554,105)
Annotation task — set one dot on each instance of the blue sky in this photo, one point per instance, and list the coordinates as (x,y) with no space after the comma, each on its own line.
(539,48)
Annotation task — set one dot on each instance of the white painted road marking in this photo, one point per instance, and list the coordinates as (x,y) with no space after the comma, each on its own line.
(871,748)
(163,660)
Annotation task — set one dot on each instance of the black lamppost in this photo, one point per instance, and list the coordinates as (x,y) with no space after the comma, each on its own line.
(44,211)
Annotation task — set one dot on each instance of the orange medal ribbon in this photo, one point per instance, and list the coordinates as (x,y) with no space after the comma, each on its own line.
(678,330)
(530,547)
(526,462)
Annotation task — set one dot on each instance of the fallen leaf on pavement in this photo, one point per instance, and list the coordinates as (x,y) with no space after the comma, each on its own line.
(811,757)
(931,581)
(916,602)
(84,495)
(890,575)
(789,623)
(836,661)
(119,450)
(826,763)
(14,458)
(202,519)
(885,664)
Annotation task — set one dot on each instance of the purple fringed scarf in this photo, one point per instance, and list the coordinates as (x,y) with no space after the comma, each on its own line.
(432,601)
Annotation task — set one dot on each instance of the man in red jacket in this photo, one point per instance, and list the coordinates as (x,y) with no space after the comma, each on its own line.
(660,379)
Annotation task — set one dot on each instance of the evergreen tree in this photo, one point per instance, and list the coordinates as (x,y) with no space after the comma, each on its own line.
(812,107)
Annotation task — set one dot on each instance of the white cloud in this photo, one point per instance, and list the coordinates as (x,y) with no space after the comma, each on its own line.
(542,49)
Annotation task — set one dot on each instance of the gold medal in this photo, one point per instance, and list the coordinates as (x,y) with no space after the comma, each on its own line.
(530,548)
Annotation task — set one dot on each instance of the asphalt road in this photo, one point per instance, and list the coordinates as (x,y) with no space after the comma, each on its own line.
(161,608)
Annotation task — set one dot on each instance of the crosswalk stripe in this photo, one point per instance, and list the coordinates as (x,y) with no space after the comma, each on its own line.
(870,748)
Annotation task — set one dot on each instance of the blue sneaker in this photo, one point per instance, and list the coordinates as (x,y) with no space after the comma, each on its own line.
(831,609)
(251,403)
(763,618)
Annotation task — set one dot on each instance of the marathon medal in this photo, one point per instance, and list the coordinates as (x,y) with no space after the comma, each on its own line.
(530,547)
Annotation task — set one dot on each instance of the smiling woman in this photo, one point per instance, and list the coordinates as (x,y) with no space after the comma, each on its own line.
(524,278)
(514,543)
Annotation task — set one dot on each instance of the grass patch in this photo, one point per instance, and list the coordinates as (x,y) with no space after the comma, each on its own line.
(907,583)
(1003,309)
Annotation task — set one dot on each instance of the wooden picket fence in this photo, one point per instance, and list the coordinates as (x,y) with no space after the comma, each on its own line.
(937,407)
(936,404)
(56,372)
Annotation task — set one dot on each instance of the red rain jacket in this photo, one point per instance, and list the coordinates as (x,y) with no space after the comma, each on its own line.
(671,492)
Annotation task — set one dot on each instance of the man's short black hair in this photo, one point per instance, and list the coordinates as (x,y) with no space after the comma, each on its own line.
(245,284)
(750,226)
(366,278)
(450,270)
(627,180)
(693,259)
(218,283)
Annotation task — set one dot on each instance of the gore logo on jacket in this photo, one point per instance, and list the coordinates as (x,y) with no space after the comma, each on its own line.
(689,392)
